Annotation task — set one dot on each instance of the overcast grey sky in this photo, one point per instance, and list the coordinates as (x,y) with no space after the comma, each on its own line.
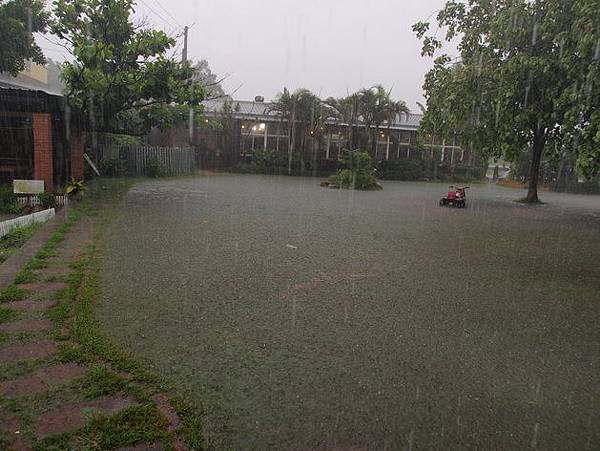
(329,46)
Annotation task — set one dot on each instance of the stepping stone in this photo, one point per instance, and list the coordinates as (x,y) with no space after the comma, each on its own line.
(30,305)
(42,380)
(27,325)
(10,427)
(54,272)
(27,351)
(179,444)
(144,447)
(162,402)
(44,287)
(74,416)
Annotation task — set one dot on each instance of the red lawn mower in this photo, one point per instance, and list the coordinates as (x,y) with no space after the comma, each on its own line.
(456,197)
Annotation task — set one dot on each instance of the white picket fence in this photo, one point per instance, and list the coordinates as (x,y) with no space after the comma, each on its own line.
(33,200)
(175,160)
(23,221)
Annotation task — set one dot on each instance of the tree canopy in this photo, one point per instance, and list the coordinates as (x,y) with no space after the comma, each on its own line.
(527,77)
(121,71)
(19,19)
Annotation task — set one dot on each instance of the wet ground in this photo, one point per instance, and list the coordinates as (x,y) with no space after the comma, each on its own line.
(305,318)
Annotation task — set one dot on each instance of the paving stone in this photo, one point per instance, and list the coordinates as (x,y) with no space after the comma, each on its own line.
(43,286)
(42,380)
(162,402)
(10,427)
(144,447)
(27,325)
(27,351)
(32,305)
(74,416)
(54,272)
(179,444)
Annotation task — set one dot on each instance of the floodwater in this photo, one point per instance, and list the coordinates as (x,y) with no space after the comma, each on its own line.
(299,317)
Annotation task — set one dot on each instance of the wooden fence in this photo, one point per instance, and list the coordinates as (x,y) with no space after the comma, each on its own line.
(175,160)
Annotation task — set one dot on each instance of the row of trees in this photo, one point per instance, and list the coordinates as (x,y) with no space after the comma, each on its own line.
(365,112)
(527,77)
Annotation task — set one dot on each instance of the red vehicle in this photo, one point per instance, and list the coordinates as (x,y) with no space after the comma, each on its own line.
(456,197)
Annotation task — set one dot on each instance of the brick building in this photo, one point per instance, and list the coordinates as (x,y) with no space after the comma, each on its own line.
(39,139)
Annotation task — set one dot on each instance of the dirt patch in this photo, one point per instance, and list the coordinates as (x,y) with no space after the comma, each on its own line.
(27,325)
(27,351)
(42,380)
(30,305)
(74,416)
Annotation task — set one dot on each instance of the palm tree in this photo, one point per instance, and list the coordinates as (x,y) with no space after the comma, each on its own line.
(346,109)
(376,108)
(303,111)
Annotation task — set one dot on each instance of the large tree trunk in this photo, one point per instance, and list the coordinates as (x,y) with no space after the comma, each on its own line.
(539,140)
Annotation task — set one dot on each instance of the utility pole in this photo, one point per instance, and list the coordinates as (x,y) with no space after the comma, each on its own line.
(185,44)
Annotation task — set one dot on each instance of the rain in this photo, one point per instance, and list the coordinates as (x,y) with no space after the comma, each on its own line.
(300,225)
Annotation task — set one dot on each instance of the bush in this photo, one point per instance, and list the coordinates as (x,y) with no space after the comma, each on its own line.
(358,173)
(401,170)
(47,200)
(155,168)
(8,201)
(113,167)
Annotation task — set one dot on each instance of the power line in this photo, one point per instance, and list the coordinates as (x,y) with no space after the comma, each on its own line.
(158,15)
(168,13)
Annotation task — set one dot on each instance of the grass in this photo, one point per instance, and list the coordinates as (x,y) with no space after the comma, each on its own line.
(75,321)
(12,293)
(7,315)
(16,239)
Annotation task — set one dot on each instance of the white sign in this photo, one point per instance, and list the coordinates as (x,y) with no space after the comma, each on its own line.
(28,186)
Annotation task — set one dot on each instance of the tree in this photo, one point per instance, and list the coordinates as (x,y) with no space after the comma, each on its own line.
(347,110)
(209,80)
(303,111)
(120,70)
(19,19)
(377,107)
(528,77)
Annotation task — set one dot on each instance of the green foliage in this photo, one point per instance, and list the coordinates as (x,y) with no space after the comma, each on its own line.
(359,172)
(7,315)
(12,293)
(113,167)
(18,43)
(402,170)
(8,201)
(155,168)
(47,200)
(76,188)
(527,79)
(121,66)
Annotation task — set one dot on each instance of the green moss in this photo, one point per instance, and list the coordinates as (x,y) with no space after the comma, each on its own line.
(7,315)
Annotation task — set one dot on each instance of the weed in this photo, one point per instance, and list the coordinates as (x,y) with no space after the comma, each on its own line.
(7,315)
(12,293)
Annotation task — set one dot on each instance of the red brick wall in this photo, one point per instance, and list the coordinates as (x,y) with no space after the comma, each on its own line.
(77,157)
(42,149)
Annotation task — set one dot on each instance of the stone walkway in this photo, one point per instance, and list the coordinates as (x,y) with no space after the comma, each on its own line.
(41,394)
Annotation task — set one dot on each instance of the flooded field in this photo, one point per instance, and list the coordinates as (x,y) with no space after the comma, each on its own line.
(300,317)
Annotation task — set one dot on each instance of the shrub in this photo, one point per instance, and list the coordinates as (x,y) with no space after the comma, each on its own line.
(358,173)
(8,201)
(401,170)
(113,167)
(155,168)
(47,200)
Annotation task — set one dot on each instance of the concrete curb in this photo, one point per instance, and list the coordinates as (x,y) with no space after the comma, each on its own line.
(15,263)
